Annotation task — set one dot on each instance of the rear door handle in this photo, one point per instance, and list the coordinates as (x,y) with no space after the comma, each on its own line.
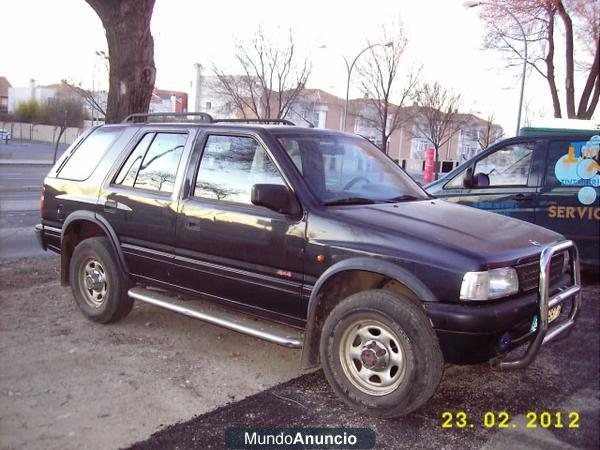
(193,225)
(521,197)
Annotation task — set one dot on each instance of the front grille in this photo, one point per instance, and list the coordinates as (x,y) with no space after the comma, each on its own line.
(529,272)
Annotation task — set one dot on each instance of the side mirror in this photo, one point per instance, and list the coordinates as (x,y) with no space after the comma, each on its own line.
(468,178)
(275,197)
(481,180)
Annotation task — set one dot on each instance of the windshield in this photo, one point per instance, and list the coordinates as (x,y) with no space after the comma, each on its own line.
(349,170)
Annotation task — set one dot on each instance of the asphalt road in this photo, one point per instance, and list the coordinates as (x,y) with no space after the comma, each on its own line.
(564,378)
(22,171)
(29,150)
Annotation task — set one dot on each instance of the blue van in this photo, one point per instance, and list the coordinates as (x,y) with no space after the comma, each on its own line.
(547,177)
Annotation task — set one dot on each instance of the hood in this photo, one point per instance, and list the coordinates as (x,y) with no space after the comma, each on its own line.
(466,230)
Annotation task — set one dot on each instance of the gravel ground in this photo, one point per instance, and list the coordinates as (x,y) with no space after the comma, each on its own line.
(563,378)
(68,383)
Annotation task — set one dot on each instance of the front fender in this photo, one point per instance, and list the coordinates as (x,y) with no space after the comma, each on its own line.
(310,353)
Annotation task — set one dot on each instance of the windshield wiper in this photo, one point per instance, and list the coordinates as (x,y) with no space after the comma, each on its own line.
(350,201)
(402,198)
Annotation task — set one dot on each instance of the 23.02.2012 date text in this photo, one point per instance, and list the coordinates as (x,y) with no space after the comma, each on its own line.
(502,419)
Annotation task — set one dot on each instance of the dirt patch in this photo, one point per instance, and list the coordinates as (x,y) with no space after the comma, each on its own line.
(66,382)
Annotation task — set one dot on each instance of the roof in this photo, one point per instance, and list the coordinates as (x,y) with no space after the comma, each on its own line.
(271,128)
(4,85)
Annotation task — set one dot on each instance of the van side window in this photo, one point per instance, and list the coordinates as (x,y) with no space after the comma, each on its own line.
(572,163)
(508,166)
(84,159)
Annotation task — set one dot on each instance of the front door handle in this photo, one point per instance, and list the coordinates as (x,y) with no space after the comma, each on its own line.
(521,197)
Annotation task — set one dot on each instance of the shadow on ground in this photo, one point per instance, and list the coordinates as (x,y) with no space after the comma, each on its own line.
(563,378)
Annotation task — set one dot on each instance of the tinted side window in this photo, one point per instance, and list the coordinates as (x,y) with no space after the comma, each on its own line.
(128,172)
(80,165)
(508,166)
(159,166)
(230,166)
(572,163)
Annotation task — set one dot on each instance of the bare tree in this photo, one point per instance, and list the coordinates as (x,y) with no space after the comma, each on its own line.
(131,55)
(89,98)
(63,112)
(490,132)
(539,19)
(436,119)
(272,77)
(379,80)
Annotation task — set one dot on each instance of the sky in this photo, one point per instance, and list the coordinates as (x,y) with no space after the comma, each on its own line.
(52,40)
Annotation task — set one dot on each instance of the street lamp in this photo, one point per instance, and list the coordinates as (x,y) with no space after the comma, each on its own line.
(349,68)
(471,4)
(102,56)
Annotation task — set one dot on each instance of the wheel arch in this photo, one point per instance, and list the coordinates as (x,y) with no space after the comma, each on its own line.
(346,278)
(81,225)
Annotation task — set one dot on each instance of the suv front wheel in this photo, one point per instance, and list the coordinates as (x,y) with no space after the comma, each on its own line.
(380,354)
(98,284)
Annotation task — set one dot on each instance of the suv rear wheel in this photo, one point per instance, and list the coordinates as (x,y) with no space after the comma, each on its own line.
(98,285)
(380,354)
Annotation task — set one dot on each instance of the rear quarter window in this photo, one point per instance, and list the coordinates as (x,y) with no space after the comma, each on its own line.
(83,160)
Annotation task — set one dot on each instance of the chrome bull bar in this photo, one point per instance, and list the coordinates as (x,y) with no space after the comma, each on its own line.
(543,334)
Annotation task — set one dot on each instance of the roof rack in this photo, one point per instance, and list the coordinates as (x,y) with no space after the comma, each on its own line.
(202,117)
(134,118)
(264,121)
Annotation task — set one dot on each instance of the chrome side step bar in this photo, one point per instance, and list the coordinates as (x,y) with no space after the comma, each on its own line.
(208,312)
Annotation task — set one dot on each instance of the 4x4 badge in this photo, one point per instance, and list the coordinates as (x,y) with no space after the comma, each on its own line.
(536,243)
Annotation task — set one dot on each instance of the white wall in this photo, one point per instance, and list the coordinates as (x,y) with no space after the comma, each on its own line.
(42,133)
(18,95)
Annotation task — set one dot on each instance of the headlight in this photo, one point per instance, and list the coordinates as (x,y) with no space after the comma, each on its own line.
(488,285)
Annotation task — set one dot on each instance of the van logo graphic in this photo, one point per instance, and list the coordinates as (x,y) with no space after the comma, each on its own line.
(536,243)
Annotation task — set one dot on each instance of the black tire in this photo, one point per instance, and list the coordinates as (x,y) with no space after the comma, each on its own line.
(101,302)
(410,344)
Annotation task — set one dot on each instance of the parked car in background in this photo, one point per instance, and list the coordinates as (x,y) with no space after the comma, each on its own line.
(4,135)
(544,176)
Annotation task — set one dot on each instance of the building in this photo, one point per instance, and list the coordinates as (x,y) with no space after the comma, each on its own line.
(18,95)
(314,107)
(4,87)
(206,95)
(164,100)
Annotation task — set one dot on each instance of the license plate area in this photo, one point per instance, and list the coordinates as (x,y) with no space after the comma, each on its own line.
(552,316)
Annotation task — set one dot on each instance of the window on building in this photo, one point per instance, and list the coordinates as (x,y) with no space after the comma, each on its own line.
(418,147)
(84,159)
(153,162)
(230,166)
(208,105)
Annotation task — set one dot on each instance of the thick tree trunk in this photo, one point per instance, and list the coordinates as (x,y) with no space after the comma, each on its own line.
(570,66)
(586,107)
(131,55)
(550,67)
